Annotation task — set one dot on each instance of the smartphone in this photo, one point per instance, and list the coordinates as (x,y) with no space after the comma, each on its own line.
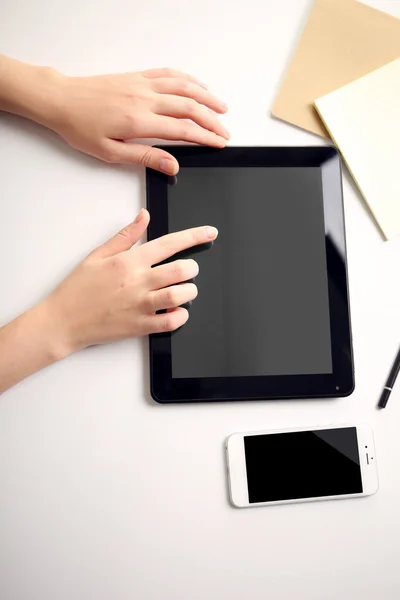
(301,465)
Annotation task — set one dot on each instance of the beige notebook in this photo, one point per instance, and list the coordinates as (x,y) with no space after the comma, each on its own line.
(342,41)
(363,119)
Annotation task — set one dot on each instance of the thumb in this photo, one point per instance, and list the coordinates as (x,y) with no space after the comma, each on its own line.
(139,154)
(126,238)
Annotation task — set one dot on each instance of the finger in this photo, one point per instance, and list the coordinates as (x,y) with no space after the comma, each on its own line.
(126,238)
(170,297)
(168,73)
(169,321)
(139,154)
(186,108)
(169,128)
(175,272)
(162,248)
(186,89)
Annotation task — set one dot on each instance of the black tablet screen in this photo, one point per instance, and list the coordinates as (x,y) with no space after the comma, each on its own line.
(263,306)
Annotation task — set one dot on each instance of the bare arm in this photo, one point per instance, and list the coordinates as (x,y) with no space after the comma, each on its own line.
(29,91)
(97,115)
(27,344)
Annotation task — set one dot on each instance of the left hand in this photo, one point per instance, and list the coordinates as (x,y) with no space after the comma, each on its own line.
(117,291)
(98,114)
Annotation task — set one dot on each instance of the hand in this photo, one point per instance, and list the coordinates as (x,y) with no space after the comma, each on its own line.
(99,113)
(115,292)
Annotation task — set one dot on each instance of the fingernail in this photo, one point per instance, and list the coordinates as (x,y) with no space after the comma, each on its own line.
(203,85)
(211,233)
(223,105)
(221,141)
(168,166)
(140,216)
(226,133)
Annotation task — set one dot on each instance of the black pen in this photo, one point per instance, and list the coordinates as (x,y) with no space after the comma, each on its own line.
(390,382)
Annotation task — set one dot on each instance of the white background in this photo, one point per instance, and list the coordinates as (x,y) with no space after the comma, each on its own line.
(105,495)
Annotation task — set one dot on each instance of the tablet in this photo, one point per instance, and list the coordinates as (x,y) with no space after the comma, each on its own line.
(271,319)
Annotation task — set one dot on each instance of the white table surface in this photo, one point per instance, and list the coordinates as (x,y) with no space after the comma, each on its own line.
(105,495)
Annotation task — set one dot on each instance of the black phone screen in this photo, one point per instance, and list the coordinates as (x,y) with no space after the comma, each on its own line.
(303,464)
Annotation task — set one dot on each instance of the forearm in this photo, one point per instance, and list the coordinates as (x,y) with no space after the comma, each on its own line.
(28,344)
(30,91)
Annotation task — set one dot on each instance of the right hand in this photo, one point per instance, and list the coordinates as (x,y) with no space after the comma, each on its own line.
(115,292)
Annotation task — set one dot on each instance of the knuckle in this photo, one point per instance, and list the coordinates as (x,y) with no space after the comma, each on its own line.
(124,233)
(118,266)
(145,159)
(142,99)
(185,132)
(166,242)
(169,323)
(171,298)
(149,303)
(184,86)
(191,107)
(179,269)
(194,238)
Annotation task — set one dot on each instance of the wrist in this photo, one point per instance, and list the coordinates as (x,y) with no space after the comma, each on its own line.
(58,342)
(44,324)
(31,91)
(46,104)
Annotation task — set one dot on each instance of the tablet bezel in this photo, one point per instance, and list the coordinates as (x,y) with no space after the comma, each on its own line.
(339,383)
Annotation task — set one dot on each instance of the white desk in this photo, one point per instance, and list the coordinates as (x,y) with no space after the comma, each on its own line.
(105,495)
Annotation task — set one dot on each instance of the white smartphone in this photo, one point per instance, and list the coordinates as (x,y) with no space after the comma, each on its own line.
(301,465)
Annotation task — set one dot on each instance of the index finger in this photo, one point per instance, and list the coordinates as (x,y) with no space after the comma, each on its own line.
(157,73)
(166,246)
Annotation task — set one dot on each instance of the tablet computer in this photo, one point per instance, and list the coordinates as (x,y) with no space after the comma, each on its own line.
(271,319)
